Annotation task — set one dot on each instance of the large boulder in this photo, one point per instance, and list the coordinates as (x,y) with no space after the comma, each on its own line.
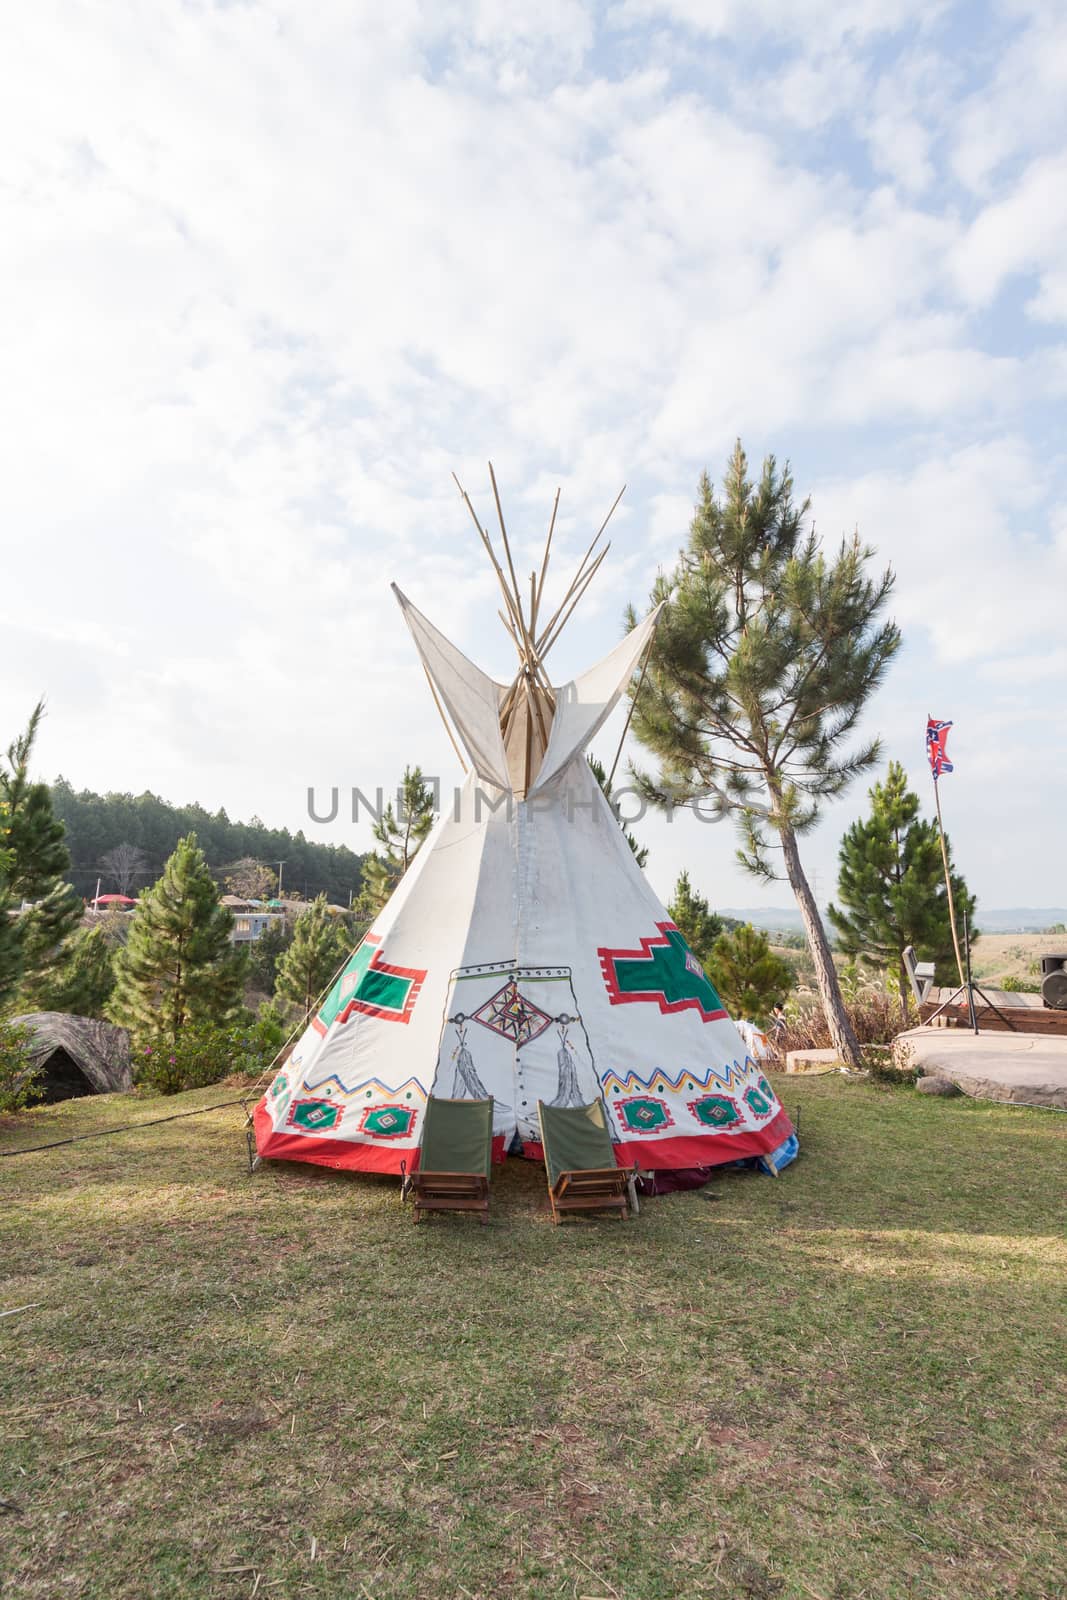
(935,1083)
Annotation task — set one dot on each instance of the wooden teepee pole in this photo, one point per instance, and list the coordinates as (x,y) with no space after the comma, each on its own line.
(518,626)
(444,719)
(552,633)
(548,546)
(646,657)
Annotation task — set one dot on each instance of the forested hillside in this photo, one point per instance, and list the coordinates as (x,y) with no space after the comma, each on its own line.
(97,823)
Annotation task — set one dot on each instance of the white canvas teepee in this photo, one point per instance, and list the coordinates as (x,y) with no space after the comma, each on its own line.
(524,955)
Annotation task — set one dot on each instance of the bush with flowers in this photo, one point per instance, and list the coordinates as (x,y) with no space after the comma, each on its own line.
(204,1053)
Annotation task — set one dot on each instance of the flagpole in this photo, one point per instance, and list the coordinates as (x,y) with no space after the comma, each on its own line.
(948,880)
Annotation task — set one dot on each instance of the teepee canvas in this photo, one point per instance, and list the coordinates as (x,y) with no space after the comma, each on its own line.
(524,956)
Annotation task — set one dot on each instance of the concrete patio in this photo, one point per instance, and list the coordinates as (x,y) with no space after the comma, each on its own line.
(1025,1068)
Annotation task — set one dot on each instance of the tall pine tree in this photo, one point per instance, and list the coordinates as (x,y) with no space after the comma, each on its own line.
(319,945)
(891,886)
(765,656)
(400,832)
(178,965)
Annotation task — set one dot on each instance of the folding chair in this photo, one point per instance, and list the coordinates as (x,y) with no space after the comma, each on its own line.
(454,1157)
(580,1161)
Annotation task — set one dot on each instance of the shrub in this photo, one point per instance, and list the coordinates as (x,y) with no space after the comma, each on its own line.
(204,1054)
(873,1013)
(20,1080)
(1013,985)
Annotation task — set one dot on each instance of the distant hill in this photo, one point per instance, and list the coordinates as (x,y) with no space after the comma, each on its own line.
(96,823)
(777,919)
(1021,919)
(1013,919)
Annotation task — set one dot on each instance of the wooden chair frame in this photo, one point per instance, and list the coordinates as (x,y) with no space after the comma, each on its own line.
(592,1189)
(450,1191)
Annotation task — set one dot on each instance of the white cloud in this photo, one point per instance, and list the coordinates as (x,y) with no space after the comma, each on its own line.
(274,270)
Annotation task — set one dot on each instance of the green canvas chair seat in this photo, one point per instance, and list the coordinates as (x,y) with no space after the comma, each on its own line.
(583,1174)
(454,1157)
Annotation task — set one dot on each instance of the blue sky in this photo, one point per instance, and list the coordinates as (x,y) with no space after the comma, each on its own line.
(271,272)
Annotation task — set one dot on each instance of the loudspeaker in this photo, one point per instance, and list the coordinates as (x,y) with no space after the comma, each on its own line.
(1054,982)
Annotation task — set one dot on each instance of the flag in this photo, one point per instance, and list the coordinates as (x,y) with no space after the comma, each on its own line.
(936,737)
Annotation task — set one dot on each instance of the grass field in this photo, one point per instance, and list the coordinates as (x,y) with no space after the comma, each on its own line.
(847,1382)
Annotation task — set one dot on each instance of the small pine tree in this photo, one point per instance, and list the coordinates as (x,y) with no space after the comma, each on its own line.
(33,861)
(748,974)
(600,774)
(891,886)
(264,955)
(400,833)
(82,983)
(10,937)
(178,965)
(691,914)
(319,945)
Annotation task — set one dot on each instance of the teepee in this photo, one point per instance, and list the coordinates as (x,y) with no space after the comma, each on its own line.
(524,955)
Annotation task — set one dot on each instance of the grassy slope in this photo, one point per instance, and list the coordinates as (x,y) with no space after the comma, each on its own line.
(848,1382)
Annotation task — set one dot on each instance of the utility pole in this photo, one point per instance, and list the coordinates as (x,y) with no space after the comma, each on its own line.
(281,864)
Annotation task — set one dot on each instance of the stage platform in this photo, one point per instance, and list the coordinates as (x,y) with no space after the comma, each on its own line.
(1022,1068)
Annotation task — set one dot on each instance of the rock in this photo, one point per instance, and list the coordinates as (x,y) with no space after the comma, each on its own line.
(935,1084)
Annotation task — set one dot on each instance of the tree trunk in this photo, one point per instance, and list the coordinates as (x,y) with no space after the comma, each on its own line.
(841,1031)
(905,990)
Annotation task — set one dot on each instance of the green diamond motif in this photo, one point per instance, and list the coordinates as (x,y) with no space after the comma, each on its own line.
(644,1115)
(388,1122)
(314,1116)
(716,1111)
(757,1103)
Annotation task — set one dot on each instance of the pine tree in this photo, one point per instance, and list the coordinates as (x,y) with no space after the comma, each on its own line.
(178,965)
(600,774)
(692,915)
(33,883)
(319,945)
(764,659)
(10,938)
(400,833)
(891,885)
(82,982)
(749,975)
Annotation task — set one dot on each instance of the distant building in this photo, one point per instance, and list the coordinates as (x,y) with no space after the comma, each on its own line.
(251,918)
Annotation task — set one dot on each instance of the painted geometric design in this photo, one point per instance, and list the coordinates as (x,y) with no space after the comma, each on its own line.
(765,1089)
(510,1014)
(387,1122)
(759,1105)
(314,1116)
(369,985)
(660,1082)
(643,1114)
(718,1111)
(664,971)
(280,1084)
(369,1088)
